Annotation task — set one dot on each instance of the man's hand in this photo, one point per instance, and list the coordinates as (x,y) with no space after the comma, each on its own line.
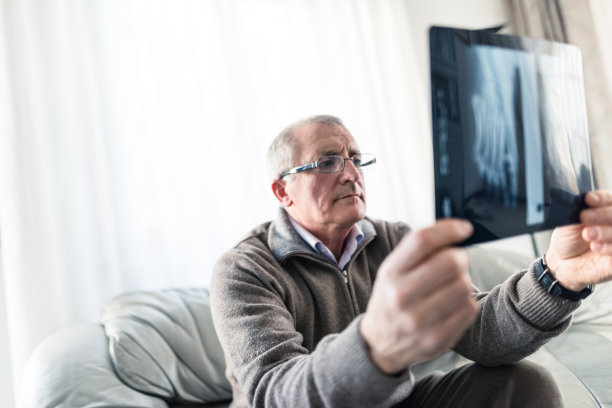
(581,254)
(422,300)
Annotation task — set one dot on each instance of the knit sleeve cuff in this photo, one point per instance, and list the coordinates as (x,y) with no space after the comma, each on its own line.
(539,307)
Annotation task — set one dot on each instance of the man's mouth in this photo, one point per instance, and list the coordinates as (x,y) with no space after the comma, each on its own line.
(352,195)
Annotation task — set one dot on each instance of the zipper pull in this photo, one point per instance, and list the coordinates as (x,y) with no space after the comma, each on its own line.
(345,274)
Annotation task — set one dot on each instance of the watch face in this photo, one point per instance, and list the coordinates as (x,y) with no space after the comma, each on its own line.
(510,134)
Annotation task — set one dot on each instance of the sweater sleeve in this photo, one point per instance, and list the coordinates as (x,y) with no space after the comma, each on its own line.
(516,318)
(266,353)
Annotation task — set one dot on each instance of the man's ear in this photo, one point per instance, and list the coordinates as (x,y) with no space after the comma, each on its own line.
(278,188)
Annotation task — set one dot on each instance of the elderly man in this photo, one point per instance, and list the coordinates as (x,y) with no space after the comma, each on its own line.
(325,307)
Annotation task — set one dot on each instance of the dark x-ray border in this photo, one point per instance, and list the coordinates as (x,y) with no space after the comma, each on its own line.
(510,133)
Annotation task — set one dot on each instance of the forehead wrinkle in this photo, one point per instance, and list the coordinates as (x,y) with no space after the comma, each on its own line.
(336,146)
(337,138)
(338,152)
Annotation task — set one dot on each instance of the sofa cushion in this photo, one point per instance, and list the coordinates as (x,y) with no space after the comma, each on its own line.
(597,308)
(491,266)
(164,344)
(71,368)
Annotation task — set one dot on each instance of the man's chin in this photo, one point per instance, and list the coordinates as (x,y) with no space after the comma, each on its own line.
(354,214)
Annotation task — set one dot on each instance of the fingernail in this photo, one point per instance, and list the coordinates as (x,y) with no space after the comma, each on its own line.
(594,198)
(593,233)
(596,246)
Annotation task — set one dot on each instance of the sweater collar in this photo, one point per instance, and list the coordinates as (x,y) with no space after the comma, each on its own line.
(284,241)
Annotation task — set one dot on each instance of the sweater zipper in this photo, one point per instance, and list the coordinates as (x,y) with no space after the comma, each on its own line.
(345,274)
(343,271)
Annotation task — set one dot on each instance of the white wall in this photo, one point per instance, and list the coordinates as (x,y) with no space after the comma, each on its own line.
(472,14)
(602,12)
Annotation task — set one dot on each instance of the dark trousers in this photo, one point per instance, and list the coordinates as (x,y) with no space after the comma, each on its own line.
(523,385)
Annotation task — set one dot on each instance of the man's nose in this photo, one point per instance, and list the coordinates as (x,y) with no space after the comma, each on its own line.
(350,172)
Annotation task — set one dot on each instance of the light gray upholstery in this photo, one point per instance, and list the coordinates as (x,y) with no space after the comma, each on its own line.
(154,350)
(71,369)
(490,267)
(164,344)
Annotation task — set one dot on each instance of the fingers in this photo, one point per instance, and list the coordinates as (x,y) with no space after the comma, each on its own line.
(601,247)
(597,220)
(597,233)
(598,215)
(438,306)
(439,269)
(414,316)
(599,198)
(421,288)
(600,208)
(436,289)
(438,323)
(581,254)
(418,245)
(448,330)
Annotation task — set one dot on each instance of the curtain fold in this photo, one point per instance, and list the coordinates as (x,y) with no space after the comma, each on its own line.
(134,136)
(6,162)
(573,22)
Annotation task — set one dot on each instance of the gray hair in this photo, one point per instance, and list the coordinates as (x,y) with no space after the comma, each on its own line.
(281,153)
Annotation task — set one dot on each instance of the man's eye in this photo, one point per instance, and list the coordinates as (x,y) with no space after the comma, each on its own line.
(356,160)
(326,164)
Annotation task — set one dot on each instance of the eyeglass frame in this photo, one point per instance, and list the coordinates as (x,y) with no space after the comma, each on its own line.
(315,164)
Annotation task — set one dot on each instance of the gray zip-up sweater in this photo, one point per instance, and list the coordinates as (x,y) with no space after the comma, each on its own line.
(288,320)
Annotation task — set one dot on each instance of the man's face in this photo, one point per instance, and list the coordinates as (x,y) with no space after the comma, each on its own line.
(320,201)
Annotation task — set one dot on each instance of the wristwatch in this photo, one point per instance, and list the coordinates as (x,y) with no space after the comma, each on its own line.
(553,286)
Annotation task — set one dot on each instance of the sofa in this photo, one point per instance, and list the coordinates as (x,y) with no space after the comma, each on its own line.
(150,349)
(159,349)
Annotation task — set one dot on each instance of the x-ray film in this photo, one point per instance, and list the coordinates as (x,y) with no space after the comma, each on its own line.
(510,133)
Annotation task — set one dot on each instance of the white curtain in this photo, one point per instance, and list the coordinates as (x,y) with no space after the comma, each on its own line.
(585,24)
(133,137)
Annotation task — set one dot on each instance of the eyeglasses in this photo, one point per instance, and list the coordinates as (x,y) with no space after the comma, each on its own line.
(333,164)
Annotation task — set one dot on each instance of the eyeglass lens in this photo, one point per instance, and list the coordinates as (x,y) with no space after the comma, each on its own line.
(332,164)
